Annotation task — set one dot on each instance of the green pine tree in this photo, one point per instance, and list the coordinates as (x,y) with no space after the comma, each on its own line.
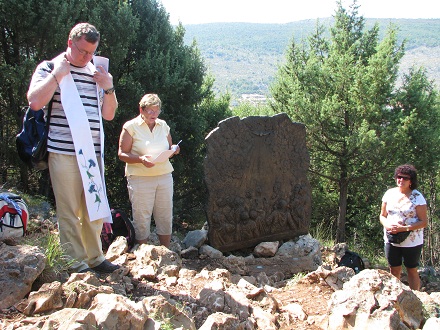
(341,88)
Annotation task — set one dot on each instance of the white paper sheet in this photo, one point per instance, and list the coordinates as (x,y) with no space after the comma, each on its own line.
(100,60)
(163,156)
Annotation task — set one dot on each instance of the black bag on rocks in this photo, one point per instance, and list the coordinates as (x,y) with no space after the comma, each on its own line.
(121,226)
(353,261)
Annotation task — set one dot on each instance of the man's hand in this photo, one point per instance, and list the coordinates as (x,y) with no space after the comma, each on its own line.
(103,78)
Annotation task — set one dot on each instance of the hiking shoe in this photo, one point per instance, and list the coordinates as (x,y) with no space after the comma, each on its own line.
(105,267)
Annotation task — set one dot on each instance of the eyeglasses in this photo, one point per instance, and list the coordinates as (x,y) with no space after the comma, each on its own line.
(405,178)
(83,52)
(152,112)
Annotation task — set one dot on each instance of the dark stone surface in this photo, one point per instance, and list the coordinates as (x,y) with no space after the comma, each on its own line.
(256,175)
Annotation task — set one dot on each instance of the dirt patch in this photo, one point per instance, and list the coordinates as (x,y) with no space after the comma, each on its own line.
(314,300)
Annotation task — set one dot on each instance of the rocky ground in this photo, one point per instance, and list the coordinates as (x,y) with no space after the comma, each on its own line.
(312,297)
(313,294)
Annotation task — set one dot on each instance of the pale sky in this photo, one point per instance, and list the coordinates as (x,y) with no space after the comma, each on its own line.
(284,11)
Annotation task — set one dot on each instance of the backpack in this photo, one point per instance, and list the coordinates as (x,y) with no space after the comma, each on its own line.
(31,142)
(121,226)
(14,215)
(353,261)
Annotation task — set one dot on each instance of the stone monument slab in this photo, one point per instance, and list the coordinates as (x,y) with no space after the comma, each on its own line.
(256,176)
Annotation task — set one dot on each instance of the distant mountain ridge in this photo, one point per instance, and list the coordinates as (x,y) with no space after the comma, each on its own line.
(244,57)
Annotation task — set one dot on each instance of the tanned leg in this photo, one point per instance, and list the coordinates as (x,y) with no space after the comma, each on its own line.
(413,278)
(165,240)
(396,271)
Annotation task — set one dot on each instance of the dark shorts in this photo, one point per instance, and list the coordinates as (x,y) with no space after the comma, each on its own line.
(409,255)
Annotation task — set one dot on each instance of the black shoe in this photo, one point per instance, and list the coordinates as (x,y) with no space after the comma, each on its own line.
(86,270)
(105,267)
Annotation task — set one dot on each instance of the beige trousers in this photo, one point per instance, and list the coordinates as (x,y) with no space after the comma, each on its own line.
(151,196)
(79,237)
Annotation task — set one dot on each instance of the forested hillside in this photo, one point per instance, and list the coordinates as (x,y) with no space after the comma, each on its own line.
(243,57)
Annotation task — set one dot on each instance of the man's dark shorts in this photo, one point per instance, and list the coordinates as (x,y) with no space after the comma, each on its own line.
(410,255)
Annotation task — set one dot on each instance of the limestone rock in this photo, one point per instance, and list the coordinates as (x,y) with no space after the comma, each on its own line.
(115,312)
(374,299)
(118,247)
(210,252)
(71,318)
(295,311)
(433,323)
(431,302)
(162,309)
(266,249)
(47,298)
(302,246)
(334,278)
(20,265)
(80,290)
(158,259)
(220,321)
(213,295)
(295,256)
(243,283)
(237,302)
(265,320)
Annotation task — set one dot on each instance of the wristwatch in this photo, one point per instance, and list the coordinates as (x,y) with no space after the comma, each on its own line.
(109,91)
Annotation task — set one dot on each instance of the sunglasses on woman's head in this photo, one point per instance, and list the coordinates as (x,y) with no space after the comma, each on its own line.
(403,177)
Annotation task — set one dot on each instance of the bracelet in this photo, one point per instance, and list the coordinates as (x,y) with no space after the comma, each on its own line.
(407,228)
(55,77)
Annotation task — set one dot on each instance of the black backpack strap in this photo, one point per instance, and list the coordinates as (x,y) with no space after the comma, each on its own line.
(50,65)
(49,112)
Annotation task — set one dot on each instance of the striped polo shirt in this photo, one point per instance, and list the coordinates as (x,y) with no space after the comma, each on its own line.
(60,137)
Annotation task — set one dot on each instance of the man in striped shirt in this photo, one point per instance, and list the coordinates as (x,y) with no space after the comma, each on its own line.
(79,236)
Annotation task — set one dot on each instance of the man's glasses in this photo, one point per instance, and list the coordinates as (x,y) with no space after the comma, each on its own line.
(403,177)
(83,52)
